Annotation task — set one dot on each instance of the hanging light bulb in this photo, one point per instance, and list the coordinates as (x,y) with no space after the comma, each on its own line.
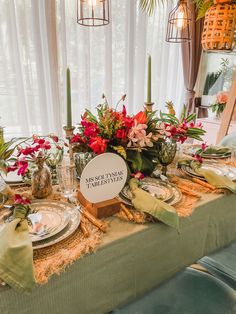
(178,28)
(181,21)
(93,12)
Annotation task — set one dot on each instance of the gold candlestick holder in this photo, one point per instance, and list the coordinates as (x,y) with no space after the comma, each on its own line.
(69,134)
(148,106)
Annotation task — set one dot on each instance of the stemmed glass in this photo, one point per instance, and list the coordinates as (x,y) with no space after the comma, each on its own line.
(67,178)
(166,151)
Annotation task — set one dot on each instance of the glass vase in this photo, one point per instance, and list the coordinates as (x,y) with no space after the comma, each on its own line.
(81,160)
(41,182)
(52,163)
(166,151)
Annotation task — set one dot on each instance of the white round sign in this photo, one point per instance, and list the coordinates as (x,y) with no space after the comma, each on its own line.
(103,177)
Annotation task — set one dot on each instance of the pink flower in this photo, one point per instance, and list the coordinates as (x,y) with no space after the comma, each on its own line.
(203,146)
(137,136)
(222,97)
(22,167)
(18,199)
(200,125)
(54,138)
(198,158)
(138,175)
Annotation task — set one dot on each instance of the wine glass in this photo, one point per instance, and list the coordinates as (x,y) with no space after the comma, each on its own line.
(166,151)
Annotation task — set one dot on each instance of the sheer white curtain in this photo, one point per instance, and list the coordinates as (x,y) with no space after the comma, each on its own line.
(29,101)
(112,59)
(35,52)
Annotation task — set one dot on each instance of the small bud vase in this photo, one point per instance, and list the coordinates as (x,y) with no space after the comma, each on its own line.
(41,180)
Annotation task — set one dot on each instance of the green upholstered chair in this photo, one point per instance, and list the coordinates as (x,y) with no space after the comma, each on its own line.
(189,292)
(228,140)
(222,264)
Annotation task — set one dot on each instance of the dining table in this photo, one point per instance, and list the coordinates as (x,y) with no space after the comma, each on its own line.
(131,260)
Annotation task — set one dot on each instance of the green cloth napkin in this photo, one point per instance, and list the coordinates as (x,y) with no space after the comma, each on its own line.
(16,252)
(221,182)
(145,202)
(214,150)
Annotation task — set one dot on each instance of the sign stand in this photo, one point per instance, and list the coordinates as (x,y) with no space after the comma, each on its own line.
(101,209)
(101,181)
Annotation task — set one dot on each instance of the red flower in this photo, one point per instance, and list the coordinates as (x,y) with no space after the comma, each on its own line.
(124,112)
(127,122)
(42,143)
(12,168)
(76,139)
(121,134)
(22,167)
(98,145)
(182,139)
(90,129)
(141,117)
(18,199)
(27,151)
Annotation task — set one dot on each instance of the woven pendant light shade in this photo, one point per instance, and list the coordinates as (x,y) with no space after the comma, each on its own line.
(93,12)
(219,26)
(178,28)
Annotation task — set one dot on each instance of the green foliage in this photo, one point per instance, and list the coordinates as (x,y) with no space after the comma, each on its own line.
(202,6)
(141,161)
(213,76)
(217,108)
(6,150)
(148,6)
(120,150)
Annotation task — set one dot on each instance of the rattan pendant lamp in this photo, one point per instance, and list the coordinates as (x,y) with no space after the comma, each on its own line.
(178,28)
(93,12)
(219,26)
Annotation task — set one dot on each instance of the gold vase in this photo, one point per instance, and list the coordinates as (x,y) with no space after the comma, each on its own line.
(41,180)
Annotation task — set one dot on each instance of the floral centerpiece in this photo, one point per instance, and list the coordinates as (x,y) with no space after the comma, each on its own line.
(136,137)
(36,151)
(220,103)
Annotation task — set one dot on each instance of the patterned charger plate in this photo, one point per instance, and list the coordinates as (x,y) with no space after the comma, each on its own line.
(164,191)
(53,216)
(221,170)
(71,227)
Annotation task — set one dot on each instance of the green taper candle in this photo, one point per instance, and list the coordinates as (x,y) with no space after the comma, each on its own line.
(69,117)
(149,80)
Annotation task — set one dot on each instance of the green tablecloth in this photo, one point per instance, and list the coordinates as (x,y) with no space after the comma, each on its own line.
(131,260)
